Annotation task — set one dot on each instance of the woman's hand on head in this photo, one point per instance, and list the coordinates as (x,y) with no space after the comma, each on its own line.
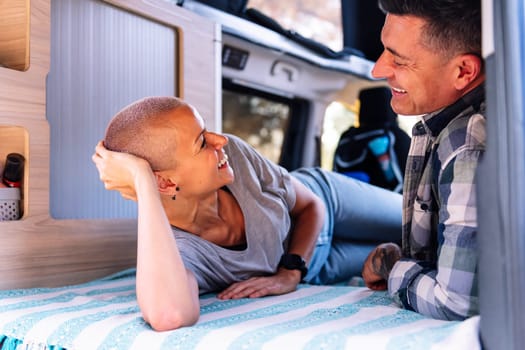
(119,171)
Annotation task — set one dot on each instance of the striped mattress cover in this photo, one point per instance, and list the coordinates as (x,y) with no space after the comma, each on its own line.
(103,314)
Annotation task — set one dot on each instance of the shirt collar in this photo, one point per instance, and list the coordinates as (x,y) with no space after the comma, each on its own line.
(435,122)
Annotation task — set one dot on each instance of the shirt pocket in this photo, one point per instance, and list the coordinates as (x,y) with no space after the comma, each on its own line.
(422,224)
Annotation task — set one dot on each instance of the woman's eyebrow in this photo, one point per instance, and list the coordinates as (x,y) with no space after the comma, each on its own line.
(199,136)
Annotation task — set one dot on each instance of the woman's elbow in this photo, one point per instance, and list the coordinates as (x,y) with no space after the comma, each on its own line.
(170,319)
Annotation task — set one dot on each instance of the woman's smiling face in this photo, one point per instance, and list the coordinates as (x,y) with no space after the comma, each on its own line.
(201,163)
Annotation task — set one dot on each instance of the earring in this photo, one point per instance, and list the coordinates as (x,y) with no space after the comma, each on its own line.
(174,197)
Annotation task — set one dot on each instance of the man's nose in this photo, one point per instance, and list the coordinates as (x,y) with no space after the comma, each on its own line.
(381,68)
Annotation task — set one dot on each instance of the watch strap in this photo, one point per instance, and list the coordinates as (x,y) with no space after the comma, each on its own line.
(294,262)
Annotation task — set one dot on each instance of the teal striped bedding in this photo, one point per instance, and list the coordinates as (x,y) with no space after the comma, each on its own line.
(103,314)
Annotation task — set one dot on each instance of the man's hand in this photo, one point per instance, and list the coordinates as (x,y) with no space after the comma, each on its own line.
(378,265)
(285,281)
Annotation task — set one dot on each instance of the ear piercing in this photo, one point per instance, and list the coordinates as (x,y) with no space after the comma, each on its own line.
(174,197)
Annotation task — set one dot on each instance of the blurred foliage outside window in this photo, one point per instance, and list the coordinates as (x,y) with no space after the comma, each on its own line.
(259,121)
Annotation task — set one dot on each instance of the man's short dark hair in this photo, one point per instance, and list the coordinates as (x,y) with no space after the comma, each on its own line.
(454,26)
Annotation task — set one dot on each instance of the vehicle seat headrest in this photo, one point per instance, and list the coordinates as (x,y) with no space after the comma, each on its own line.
(375,109)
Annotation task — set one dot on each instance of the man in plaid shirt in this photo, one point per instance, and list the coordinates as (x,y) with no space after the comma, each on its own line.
(432,62)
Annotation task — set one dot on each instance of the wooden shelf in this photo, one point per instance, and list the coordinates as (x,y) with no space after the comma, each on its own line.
(14,140)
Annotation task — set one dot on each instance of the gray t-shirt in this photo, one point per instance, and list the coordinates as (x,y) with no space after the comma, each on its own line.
(265,194)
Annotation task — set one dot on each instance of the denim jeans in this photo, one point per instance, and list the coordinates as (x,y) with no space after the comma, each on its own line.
(359,217)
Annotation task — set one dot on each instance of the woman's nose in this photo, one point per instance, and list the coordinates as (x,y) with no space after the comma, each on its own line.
(218,140)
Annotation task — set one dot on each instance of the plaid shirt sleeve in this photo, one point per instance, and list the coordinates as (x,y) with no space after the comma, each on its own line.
(448,290)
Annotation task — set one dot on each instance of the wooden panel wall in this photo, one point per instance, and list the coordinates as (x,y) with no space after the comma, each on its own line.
(38,250)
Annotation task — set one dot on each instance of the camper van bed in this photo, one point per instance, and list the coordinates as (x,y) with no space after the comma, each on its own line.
(103,314)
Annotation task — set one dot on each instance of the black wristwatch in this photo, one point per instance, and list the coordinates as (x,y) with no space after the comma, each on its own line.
(294,262)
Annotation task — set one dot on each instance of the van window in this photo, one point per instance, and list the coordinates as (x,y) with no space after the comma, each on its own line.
(321,22)
(338,117)
(260,121)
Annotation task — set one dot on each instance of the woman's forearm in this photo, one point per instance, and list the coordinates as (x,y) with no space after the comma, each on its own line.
(167,293)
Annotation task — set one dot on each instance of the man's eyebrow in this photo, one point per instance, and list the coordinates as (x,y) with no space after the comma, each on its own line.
(395,53)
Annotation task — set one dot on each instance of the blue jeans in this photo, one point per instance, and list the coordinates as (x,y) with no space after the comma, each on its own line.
(359,217)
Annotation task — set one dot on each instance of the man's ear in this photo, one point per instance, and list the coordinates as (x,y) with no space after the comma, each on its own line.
(165,185)
(469,69)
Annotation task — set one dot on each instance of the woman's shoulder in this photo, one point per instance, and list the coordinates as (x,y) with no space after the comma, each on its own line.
(237,143)
(241,152)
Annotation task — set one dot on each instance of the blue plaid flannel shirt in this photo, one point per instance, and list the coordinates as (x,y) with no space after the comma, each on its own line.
(437,275)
